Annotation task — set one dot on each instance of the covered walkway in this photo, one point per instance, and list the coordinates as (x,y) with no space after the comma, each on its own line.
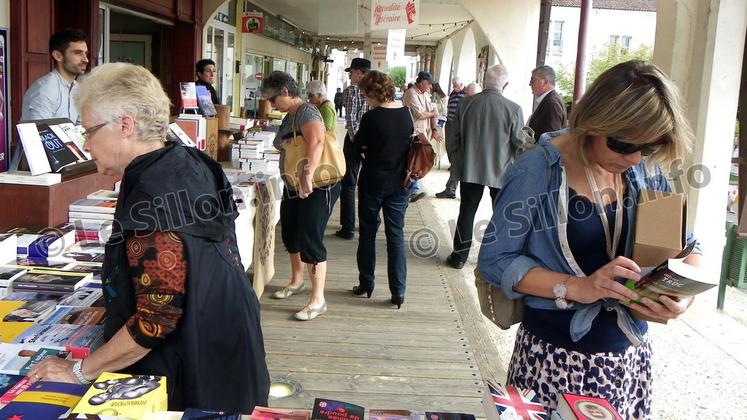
(431,355)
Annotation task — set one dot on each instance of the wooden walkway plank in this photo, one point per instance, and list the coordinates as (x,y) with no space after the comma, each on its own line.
(430,355)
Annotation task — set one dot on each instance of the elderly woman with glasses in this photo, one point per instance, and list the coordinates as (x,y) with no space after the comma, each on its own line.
(317,94)
(177,301)
(561,237)
(304,213)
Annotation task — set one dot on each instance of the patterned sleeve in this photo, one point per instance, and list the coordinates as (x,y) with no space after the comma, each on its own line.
(159,275)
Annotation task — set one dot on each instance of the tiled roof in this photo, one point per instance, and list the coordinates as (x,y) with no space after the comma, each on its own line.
(641,5)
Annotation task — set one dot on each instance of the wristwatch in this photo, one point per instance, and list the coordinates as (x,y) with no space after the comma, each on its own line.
(78,373)
(560,292)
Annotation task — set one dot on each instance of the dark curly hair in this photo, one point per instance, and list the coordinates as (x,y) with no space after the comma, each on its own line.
(378,86)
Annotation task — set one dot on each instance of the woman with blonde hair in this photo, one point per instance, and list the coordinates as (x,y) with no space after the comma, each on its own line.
(562,235)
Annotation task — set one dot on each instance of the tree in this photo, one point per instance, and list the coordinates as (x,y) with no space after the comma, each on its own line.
(398,75)
(601,60)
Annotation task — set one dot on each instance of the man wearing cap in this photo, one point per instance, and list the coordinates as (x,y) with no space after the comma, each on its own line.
(355,107)
(417,99)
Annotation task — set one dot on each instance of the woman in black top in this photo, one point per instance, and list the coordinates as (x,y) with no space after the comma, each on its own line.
(383,140)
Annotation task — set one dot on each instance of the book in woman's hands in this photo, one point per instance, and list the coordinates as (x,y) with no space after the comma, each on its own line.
(673,278)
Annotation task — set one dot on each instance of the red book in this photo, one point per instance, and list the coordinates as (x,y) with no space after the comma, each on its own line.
(572,406)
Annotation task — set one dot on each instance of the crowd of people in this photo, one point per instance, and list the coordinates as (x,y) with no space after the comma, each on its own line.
(554,241)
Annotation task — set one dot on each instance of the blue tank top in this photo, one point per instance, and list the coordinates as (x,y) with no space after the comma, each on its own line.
(588,245)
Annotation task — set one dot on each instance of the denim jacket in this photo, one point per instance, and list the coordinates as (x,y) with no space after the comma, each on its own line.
(528,230)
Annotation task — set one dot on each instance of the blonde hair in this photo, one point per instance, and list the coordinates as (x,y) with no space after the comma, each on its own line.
(113,90)
(634,102)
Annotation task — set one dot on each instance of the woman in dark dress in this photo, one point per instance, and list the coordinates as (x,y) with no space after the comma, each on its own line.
(383,140)
(177,300)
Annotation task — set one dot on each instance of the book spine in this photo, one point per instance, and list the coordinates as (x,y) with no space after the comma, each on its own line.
(15,390)
(36,287)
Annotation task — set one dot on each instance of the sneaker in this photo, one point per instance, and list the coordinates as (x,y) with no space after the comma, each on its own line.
(446,194)
(417,196)
(344,234)
(454,262)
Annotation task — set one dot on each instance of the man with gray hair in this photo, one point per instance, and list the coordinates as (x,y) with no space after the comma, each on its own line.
(488,132)
(455,97)
(549,111)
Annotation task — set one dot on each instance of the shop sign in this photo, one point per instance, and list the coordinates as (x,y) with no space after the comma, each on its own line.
(252,23)
(258,75)
(221,17)
(378,56)
(395,45)
(394,14)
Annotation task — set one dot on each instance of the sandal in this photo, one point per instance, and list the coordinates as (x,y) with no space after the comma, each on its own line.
(288,291)
(308,313)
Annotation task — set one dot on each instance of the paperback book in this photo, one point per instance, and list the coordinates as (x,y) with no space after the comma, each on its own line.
(15,390)
(10,273)
(103,195)
(379,414)
(43,400)
(579,407)
(8,248)
(129,396)
(7,381)
(79,340)
(32,311)
(26,178)
(13,357)
(90,205)
(205,101)
(76,316)
(10,330)
(83,297)
(53,281)
(325,409)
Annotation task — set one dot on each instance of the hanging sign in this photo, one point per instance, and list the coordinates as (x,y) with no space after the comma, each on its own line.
(394,14)
(252,23)
(378,56)
(395,45)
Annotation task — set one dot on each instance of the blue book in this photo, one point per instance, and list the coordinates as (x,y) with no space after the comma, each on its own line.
(205,102)
(44,400)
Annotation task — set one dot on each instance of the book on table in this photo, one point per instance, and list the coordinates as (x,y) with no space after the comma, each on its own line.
(77,316)
(104,195)
(91,205)
(386,414)
(579,407)
(7,381)
(10,273)
(15,390)
(13,357)
(31,311)
(325,409)
(26,178)
(84,297)
(79,340)
(42,243)
(129,396)
(53,281)
(43,400)
(509,402)
(48,146)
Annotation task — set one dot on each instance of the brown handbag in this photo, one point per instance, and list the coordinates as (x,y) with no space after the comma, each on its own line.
(329,171)
(495,306)
(420,158)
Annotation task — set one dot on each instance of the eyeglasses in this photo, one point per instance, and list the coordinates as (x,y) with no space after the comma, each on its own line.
(89,131)
(624,148)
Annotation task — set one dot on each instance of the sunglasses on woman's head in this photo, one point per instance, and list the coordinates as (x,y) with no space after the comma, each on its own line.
(624,148)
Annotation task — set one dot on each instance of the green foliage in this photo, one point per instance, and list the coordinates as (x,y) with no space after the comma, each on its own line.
(601,60)
(398,75)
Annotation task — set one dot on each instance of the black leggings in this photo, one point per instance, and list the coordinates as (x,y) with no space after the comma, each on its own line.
(303,221)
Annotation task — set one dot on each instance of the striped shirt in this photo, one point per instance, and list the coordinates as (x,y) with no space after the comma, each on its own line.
(454,99)
(355,107)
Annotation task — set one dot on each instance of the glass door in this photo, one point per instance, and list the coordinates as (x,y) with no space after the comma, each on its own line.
(252,74)
(219,45)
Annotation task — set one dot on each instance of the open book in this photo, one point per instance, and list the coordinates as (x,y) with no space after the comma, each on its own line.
(673,278)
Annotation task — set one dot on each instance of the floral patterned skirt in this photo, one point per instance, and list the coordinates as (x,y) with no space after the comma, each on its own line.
(623,379)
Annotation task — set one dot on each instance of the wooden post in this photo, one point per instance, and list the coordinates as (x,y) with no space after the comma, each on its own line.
(580,79)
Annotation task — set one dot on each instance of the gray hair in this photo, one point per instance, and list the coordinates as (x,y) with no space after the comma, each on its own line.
(496,77)
(316,87)
(545,72)
(113,90)
(472,89)
(455,80)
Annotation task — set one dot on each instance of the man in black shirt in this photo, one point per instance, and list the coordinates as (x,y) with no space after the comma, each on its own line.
(205,70)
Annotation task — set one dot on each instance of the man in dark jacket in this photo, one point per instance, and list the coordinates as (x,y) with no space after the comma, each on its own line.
(338,102)
(549,110)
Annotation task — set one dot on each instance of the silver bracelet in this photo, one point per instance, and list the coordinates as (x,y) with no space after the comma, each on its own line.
(560,291)
(78,373)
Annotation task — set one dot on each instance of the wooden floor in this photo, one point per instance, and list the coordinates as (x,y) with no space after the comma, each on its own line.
(431,355)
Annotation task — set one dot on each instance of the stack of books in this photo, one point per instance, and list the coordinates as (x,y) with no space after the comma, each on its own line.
(90,214)
(43,244)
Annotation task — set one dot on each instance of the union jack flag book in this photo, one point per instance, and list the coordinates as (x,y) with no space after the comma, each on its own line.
(511,403)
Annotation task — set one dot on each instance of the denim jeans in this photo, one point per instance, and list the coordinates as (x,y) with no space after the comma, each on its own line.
(414,188)
(348,184)
(394,204)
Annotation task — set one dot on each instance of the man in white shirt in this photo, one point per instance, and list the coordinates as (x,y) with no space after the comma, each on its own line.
(51,96)
(424,114)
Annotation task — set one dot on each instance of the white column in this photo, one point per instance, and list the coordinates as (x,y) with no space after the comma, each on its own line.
(700,44)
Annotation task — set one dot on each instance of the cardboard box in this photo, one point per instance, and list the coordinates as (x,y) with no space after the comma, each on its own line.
(660,227)
(211,137)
